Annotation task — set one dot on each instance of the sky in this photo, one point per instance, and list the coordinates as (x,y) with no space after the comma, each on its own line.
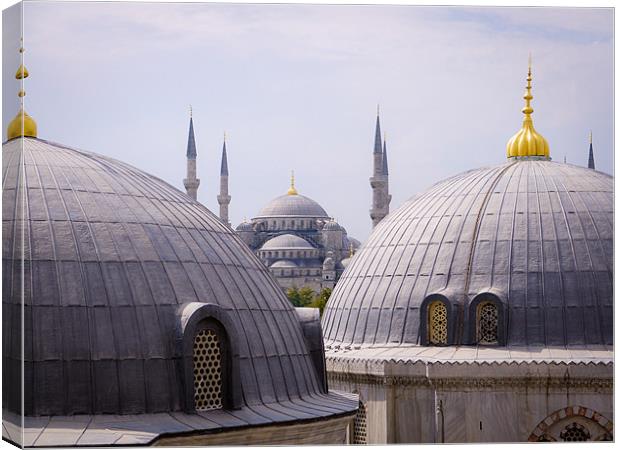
(296,87)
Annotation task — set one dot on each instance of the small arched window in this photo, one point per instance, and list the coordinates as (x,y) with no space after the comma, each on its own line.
(488,323)
(208,391)
(437,323)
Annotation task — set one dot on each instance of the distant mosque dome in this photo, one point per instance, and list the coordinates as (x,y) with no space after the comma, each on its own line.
(286,241)
(284,264)
(245,226)
(292,205)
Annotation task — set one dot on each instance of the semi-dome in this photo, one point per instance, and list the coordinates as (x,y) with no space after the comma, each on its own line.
(284,264)
(121,270)
(533,237)
(292,205)
(245,226)
(286,241)
(332,225)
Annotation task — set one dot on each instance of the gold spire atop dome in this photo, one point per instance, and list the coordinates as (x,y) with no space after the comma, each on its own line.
(590,137)
(527,141)
(22,124)
(292,190)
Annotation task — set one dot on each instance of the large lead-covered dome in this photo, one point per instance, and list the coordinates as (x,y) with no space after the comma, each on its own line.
(533,236)
(118,265)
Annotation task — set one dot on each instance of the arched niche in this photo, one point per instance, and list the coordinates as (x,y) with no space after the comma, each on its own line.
(573,423)
(438,317)
(208,321)
(480,316)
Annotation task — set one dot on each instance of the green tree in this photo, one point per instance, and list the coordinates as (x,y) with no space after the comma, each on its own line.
(300,297)
(306,295)
(321,300)
(293,296)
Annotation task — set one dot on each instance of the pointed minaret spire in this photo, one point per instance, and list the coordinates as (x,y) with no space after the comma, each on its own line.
(379,180)
(191,182)
(591,155)
(224,165)
(378,149)
(223,198)
(384,169)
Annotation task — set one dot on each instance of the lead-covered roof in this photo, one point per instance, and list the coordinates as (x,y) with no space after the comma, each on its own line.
(111,253)
(536,233)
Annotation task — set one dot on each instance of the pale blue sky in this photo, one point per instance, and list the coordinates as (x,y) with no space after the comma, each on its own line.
(296,87)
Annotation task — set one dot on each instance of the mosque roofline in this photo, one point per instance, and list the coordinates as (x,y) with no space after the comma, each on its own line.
(287,216)
(143,429)
(471,355)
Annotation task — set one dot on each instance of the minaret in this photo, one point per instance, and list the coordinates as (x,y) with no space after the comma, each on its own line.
(191,182)
(591,155)
(224,199)
(379,179)
(385,172)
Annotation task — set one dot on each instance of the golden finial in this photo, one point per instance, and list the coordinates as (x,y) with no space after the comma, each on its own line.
(22,124)
(527,141)
(292,190)
(590,137)
(190,111)
(350,249)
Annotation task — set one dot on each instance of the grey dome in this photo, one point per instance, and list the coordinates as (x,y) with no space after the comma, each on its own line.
(284,264)
(292,205)
(286,241)
(113,258)
(245,226)
(332,225)
(537,235)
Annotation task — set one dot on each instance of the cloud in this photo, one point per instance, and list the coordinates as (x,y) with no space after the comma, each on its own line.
(296,86)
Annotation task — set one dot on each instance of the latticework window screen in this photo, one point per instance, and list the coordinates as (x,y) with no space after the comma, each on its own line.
(575,432)
(207,371)
(360,435)
(487,323)
(438,323)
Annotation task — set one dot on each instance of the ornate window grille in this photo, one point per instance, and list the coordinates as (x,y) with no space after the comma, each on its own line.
(488,323)
(437,323)
(207,371)
(575,432)
(360,435)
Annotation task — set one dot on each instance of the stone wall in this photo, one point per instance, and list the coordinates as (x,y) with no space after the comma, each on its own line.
(333,431)
(467,403)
